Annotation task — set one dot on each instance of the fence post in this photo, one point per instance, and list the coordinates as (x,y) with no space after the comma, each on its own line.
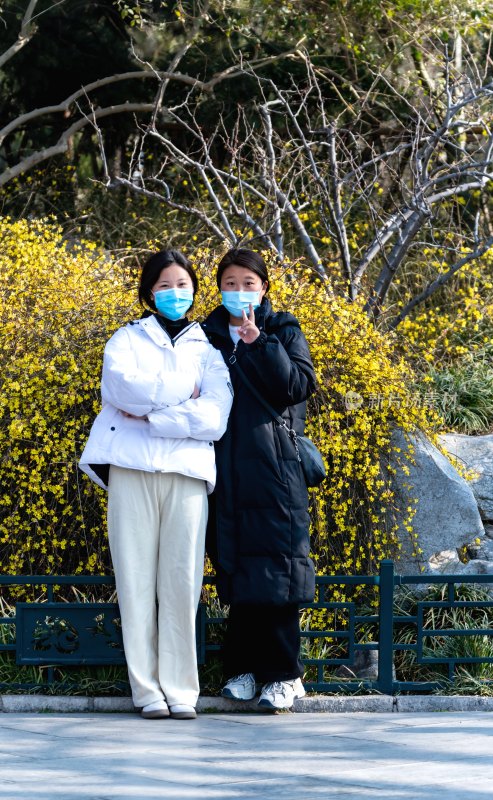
(386,627)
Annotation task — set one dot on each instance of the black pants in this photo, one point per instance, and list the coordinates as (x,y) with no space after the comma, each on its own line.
(264,640)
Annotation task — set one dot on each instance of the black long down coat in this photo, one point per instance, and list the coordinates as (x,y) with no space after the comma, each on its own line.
(258,531)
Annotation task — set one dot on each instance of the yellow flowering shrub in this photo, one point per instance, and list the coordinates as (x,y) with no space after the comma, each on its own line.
(457,321)
(448,339)
(59,303)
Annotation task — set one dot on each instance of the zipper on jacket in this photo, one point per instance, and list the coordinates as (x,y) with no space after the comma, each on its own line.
(182,332)
(232,359)
(175,339)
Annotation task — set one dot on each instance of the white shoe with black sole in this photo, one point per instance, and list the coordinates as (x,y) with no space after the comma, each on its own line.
(241,687)
(281,694)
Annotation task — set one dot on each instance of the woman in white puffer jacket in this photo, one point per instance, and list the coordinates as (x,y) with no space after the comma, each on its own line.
(166,399)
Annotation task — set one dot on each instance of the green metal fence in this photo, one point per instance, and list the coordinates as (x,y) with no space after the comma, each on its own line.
(47,629)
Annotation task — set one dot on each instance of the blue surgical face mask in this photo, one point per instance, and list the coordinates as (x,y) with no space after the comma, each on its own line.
(236,302)
(173,303)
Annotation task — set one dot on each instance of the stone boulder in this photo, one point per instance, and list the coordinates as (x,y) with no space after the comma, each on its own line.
(449,563)
(447,515)
(476,454)
(453,566)
(363,667)
(446,562)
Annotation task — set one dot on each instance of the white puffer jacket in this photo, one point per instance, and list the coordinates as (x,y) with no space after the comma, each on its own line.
(145,373)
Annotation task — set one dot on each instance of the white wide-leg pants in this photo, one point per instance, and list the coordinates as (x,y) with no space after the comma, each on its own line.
(156,527)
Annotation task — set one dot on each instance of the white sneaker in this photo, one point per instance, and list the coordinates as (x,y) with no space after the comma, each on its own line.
(241,687)
(281,694)
(182,711)
(156,710)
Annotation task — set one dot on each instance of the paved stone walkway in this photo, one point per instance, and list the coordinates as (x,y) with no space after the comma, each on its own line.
(329,756)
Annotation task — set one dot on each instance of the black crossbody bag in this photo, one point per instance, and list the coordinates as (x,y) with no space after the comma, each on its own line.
(307,453)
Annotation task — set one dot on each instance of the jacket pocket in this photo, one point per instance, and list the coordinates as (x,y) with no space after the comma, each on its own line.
(279,435)
(109,423)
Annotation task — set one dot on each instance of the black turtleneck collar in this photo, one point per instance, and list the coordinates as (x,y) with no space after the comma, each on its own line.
(172,327)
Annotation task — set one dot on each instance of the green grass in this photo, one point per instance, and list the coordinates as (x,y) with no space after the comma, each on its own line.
(465,395)
(475,678)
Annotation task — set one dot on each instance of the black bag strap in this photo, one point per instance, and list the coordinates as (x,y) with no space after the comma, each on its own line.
(254,391)
(277,418)
(280,420)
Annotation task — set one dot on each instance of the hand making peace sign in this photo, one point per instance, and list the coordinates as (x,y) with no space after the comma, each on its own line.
(248,330)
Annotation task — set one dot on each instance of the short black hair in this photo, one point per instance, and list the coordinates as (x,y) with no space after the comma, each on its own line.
(153,268)
(242,257)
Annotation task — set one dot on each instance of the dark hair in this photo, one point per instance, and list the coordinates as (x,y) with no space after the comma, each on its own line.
(242,257)
(153,268)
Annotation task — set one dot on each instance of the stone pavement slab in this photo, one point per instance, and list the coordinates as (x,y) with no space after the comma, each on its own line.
(97,756)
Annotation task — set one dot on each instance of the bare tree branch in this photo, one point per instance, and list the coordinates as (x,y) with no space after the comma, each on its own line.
(62,144)
(25,34)
(437,284)
(294,172)
(393,261)
(270,177)
(163,198)
(69,104)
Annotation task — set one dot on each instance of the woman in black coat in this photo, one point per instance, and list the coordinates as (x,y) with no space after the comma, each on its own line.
(258,532)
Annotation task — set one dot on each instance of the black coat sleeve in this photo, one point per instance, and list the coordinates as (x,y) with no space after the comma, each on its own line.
(279,366)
